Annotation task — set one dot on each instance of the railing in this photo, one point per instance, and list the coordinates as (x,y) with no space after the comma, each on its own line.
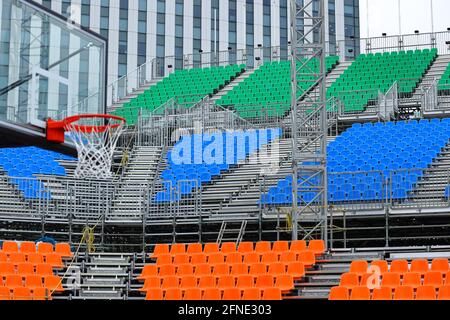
(389,102)
(430,97)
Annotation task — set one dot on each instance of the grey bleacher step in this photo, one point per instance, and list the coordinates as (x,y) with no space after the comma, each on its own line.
(106,270)
(100,294)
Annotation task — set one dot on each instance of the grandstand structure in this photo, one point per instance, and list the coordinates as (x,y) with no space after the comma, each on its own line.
(291,179)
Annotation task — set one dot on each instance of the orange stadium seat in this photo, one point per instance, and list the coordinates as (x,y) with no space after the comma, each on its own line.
(167,270)
(381,264)
(399,266)
(317,246)
(182,258)
(17,257)
(222,269)
(245,247)
(151,283)
(245,281)
(426,293)
(349,280)
(412,279)
(359,267)
(54,260)
(34,282)
(7,268)
(211,248)
(360,293)
(203,269)
(28,247)
(239,269)
(64,250)
(45,248)
(234,258)
(391,280)
(370,280)
(285,283)
(232,294)
(339,293)
(194,248)
(404,293)
(433,278)
(307,257)
(263,247)
(212,294)
(13,281)
(25,269)
(53,283)
(198,258)
(228,247)
(154,294)
(440,265)
(420,266)
(5,293)
(170,282)
(270,257)
(185,270)
(383,293)
(3,257)
(289,257)
(160,249)
(252,257)
(43,269)
(298,246)
(251,294)
(173,294)
(207,282)
(265,281)
(258,269)
(296,269)
(164,259)
(22,294)
(193,294)
(272,294)
(10,247)
(280,246)
(216,258)
(226,282)
(41,294)
(189,282)
(444,293)
(447,279)
(178,248)
(277,269)
(35,258)
(149,270)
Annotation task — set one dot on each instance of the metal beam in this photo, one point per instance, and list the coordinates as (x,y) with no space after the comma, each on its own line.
(309,116)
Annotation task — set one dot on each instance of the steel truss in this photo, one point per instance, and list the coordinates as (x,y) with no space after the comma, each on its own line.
(309,118)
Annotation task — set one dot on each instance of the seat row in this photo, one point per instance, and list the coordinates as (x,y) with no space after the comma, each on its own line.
(422,266)
(388,293)
(284,282)
(294,269)
(50,282)
(26,268)
(307,257)
(17,258)
(24,293)
(215,294)
(63,249)
(262,247)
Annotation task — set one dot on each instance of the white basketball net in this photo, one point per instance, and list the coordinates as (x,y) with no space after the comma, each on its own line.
(95,148)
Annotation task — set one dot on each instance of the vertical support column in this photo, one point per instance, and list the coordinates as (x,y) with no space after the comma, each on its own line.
(309,118)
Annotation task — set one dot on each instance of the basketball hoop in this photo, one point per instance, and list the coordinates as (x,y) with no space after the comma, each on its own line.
(95,137)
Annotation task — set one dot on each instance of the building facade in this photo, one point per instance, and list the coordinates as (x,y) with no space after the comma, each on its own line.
(141,30)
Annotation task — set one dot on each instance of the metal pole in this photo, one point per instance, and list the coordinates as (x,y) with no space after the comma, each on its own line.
(432,16)
(215,36)
(399,18)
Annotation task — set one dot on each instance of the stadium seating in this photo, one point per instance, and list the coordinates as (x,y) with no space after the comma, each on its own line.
(270,84)
(24,277)
(374,73)
(25,163)
(182,83)
(444,83)
(198,158)
(365,157)
(257,272)
(418,280)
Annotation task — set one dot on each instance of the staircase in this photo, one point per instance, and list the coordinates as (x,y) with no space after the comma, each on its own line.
(105,276)
(137,179)
(232,232)
(430,190)
(11,202)
(235,83)
(133,95)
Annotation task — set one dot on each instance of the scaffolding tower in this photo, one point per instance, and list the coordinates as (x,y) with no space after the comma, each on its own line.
(309,119)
